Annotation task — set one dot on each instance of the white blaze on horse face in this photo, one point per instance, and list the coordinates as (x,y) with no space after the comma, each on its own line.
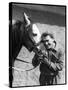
(37,32)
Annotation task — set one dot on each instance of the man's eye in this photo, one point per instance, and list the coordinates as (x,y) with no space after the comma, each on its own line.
(46,40)
(49,44)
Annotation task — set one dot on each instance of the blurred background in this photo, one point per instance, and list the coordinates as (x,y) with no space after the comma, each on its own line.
(48,19)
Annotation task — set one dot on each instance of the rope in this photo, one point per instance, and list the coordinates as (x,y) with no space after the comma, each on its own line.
(17,69)
(22,60)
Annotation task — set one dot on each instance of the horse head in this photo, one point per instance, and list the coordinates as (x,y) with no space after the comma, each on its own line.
(23,33)
(32,33)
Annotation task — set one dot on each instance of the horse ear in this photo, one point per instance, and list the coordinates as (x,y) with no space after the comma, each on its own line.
(26,19)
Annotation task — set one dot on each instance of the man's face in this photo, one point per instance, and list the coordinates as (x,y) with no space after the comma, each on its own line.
(49,42)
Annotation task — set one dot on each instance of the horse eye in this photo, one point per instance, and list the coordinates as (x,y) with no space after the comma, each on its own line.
(34,34)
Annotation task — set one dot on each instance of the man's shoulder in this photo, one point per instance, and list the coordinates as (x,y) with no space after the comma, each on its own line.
(60,53)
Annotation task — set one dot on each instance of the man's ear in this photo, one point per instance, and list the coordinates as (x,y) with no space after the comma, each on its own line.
(55,43)
(26,19)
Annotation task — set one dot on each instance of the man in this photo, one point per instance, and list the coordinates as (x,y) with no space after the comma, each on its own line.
(50,61)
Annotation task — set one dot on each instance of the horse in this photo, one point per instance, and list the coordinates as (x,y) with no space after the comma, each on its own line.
(21,33)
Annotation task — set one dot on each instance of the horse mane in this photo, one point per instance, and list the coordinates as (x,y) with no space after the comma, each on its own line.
(15,38)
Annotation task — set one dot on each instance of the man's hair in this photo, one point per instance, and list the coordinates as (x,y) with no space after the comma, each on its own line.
(44,35)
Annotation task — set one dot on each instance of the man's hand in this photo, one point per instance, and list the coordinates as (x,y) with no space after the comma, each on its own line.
(41,57)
